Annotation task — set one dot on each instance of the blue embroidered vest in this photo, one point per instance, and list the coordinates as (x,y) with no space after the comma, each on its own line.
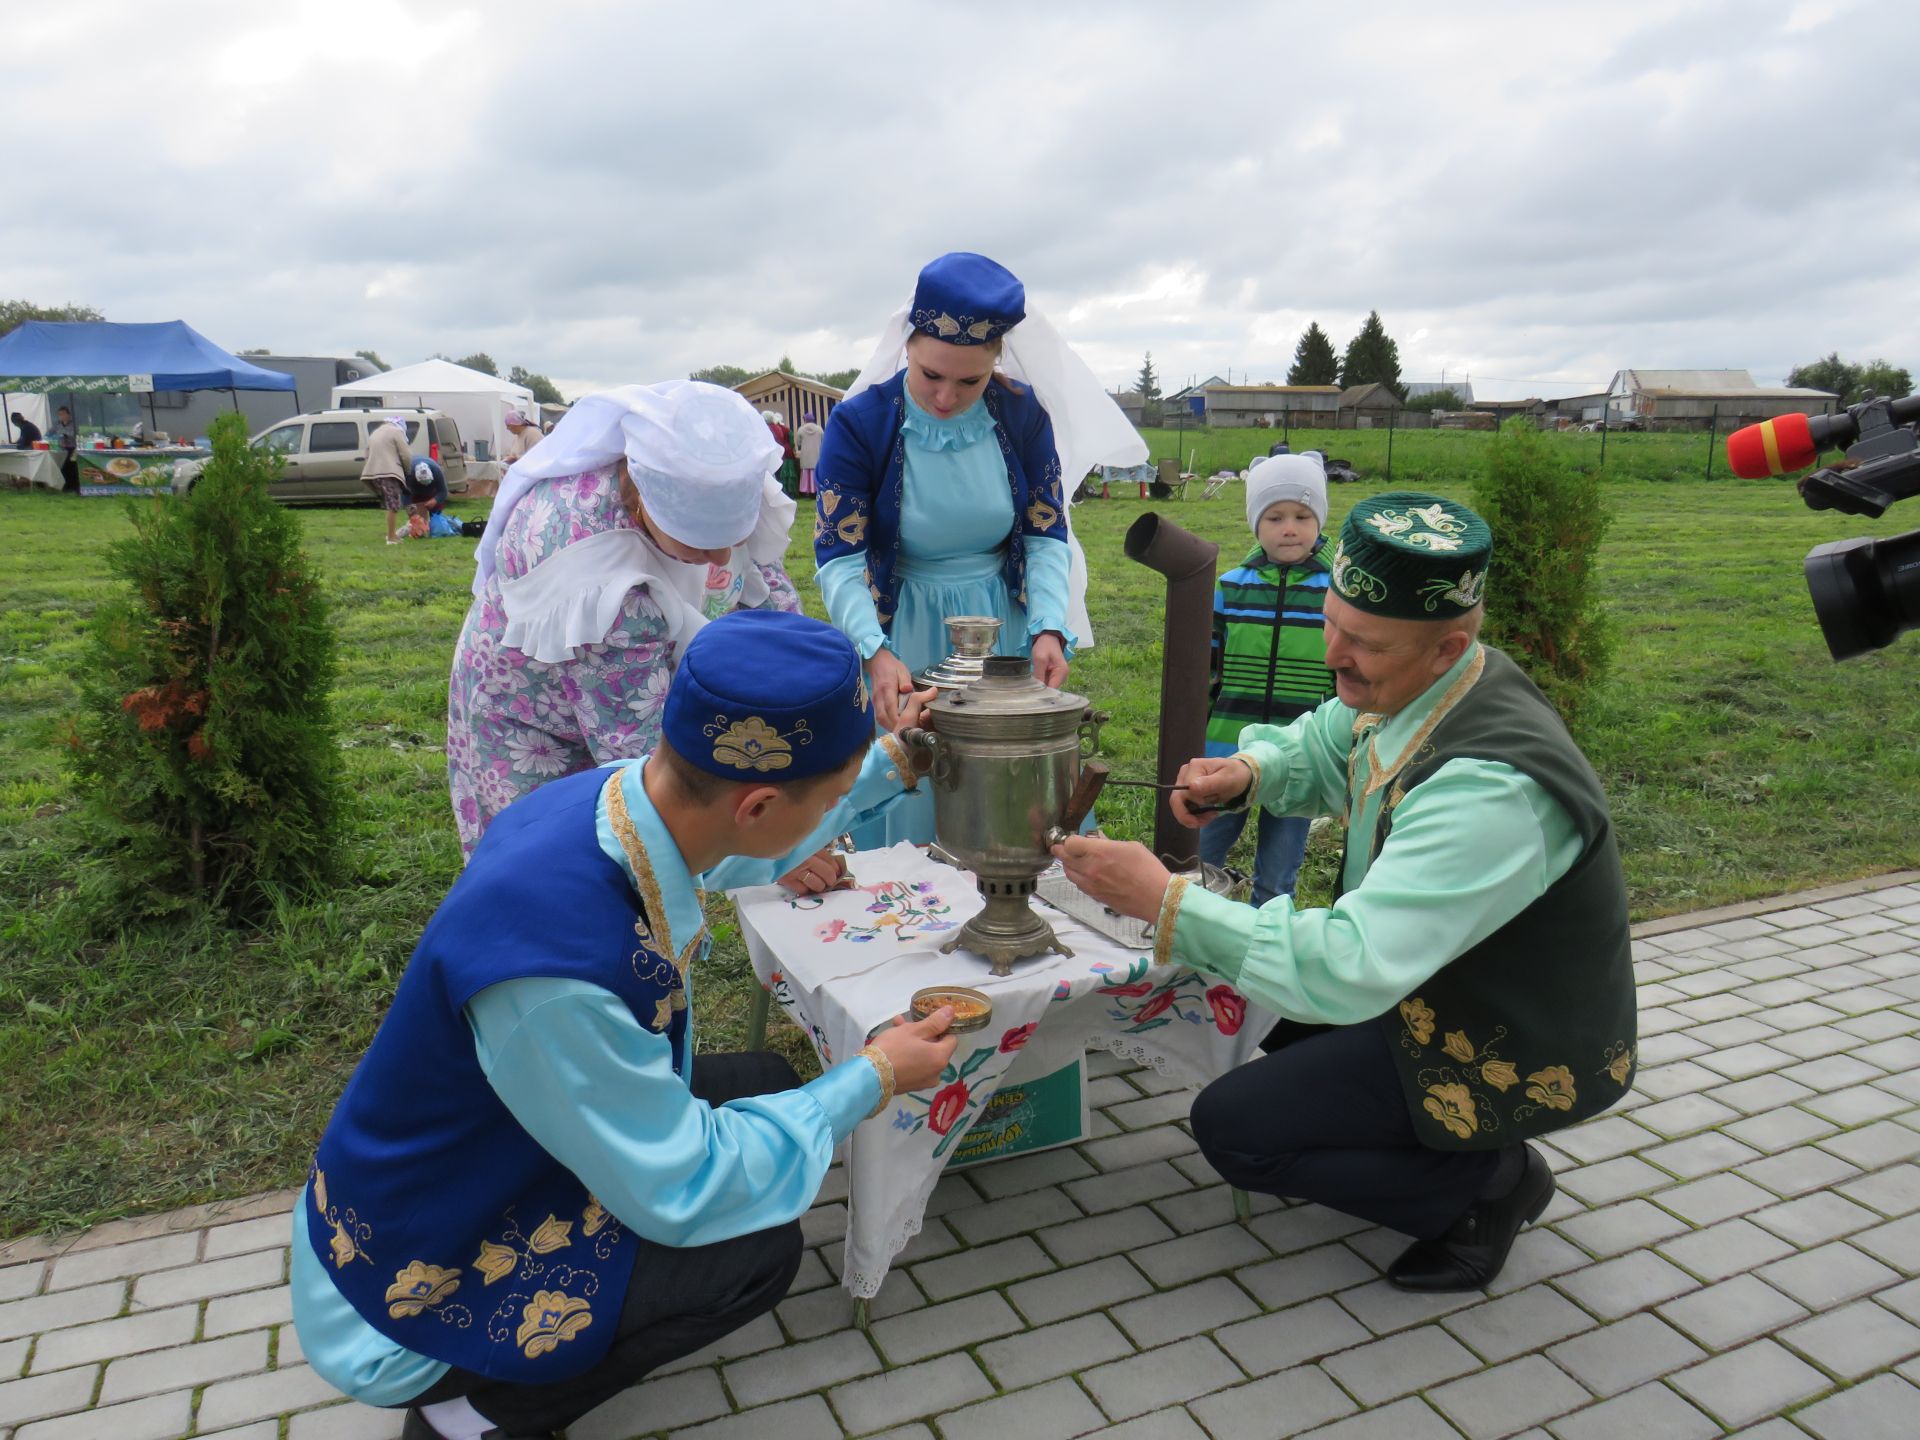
(443,1222)
(862,476)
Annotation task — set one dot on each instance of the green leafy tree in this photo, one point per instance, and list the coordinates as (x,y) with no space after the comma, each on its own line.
(206,742)
(544,390)
(785,367)
(480,361)
(1543,593)
(1853,383)
(373,359)
(1435,400)
(1149,383)
(838,379)
(727,375)
(13,312)
(1372,357)
(1314,362)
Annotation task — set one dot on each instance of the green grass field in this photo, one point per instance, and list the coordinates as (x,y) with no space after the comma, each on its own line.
(144,1066)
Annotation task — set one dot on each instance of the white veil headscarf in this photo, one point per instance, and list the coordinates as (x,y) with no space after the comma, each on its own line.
(1088,428)
(701,458)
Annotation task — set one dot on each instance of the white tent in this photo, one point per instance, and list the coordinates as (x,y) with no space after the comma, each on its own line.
(477,402)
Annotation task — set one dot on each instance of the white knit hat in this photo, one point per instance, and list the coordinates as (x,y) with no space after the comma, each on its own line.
(1286,477)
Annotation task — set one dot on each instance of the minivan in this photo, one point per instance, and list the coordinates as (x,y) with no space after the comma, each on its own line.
(324,451)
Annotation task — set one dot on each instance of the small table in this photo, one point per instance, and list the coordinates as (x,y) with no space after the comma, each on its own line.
(32,467)
(844,964)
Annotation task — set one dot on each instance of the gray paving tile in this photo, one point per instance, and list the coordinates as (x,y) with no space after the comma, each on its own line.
(800,1367)
(1814,1219)
(1749,1384)
(1303,1227)
(1536,1255)
(253,1397)
(1652,1411)
(1190,1310)
(1713,1199)
(1627,1353)
(1403,1420)
(657,1403)
(138,1376)
(1526,1320)
(1171,1375)
(1123,1188)
(1604,1139)
(1054,1411)
(1633,1282)
(1894,1191)
(829,1308)
(1174,1424)
(1311,1273)
(1412,1360)
(979,1268)
(158,1417)
(1121,1230)
(1823,1278)
(1732,1312)
(1897,1243)
(1729,1248)
(1207,1252)
(1030,1172)
(1383,1309)
(1015,1215)
(1763,1092)
(1795,1172)
(158,1289)
(1875,1145)
(1857,1104)
(1854,1340)
(1612,1180)
(914,1392)
(1680,1078)
(111,1339)
(1204,1209)
(1269,1409)
(1881,1409)
(118,1262)
(1630,1225)
(1076,1291)
(67,1307)
(60,1393)
(1744,1061)
(1772,1131)
(1062,1349)
(936,1329)
(1812,1043)
(1509,1397)
(1684,1114)
(807,1418)
(1289,1337)
(1698,1155)
(1137,1147)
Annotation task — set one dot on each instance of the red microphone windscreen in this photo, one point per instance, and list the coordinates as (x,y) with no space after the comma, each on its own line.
(1773,447)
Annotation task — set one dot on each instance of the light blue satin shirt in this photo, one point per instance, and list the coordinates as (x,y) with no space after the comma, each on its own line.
(600,1094)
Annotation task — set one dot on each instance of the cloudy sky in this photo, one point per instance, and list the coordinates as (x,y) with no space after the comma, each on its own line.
(609,192)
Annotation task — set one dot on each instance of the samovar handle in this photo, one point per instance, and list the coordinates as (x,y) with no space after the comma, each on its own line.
(1090,724)
(1086,790)
(923,747)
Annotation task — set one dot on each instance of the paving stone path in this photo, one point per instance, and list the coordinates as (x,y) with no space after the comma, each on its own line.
(1733,1251)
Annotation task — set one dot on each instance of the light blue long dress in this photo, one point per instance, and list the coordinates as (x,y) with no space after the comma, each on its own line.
(956,516)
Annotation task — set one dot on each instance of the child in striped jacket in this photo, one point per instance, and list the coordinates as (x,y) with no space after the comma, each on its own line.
(1269,648)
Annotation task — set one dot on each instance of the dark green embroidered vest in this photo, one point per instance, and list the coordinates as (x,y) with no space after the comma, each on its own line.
(1534,1028)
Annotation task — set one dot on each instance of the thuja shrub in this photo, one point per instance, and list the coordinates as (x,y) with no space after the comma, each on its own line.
(205,749)
(1543,598)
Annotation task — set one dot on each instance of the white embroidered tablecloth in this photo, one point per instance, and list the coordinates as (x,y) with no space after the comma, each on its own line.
(843,964)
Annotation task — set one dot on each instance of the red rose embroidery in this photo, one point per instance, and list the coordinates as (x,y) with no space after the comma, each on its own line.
(1162,1001)
(1139,987)
(1016,1038)
(947,1106)
(1229,1009)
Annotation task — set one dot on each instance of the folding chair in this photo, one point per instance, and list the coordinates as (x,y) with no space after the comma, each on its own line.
(1217,482)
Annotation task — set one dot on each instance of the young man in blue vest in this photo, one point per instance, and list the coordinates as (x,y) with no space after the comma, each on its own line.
(1470,988)
(531,1194)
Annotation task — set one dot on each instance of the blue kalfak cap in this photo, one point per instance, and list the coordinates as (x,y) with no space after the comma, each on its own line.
(967,299)
(762,695)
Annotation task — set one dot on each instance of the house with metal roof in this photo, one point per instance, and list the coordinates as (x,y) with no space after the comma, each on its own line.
(1697,399)
(1239,406)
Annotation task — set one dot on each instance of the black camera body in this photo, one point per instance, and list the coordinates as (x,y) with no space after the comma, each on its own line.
(1866,592)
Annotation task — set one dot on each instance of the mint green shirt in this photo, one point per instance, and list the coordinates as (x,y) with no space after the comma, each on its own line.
(1471,847)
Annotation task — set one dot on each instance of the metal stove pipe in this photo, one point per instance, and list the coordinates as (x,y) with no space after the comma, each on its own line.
(1188,562)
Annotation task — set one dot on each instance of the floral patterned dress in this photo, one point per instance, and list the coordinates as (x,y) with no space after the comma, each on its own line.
(513,722)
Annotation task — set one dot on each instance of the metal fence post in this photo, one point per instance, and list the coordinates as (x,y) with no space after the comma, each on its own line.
(1606,414)
(1713,430)
(1392,416)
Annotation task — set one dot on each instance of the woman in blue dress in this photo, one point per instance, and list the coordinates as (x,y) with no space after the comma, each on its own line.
(942,489)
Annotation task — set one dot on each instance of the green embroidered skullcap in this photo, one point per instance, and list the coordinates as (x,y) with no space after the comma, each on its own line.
(1412,556)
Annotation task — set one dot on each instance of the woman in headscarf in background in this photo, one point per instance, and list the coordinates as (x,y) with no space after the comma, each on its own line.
(649,511)
(944,479)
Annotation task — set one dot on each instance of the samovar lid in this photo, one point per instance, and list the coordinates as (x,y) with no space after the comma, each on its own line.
(972,638)
(1007,687)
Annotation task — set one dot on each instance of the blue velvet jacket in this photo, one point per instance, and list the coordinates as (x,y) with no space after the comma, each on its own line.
(862,474)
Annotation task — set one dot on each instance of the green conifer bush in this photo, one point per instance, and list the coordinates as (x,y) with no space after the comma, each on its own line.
(205,746)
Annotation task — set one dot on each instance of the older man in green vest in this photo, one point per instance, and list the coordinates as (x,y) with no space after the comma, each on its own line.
(1470,987)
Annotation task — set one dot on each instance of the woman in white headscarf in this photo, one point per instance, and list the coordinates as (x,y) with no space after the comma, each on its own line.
(649,511)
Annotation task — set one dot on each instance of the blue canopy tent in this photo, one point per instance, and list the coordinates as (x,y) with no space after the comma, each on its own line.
(81,357)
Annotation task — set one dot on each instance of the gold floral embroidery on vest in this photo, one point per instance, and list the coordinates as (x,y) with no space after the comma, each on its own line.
(1458,1047)
(495,1262)
(1042,516)
(829,501)
(1619,1066)
(553,1234)
(594,1218)
(862,697)
(350,1232)
(420,1287)
(550,1318)
(1452,1105)
(1550,1088)
(753,744)
(1419,1020)
(1500,1074)
(853,529)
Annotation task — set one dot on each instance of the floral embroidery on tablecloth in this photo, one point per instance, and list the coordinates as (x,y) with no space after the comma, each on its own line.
(953,1101)
(905,910)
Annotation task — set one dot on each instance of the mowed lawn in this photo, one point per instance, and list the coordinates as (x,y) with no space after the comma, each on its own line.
(145,1065)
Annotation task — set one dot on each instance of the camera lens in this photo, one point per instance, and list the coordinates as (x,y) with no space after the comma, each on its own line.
(1866,593)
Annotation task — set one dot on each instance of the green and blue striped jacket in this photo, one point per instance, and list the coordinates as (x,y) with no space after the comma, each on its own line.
(1269,645)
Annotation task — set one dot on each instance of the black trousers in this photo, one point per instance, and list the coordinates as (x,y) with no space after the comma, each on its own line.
(1322,1118)
(678,1301)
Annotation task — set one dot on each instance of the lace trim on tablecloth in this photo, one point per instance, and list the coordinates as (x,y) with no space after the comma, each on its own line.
(1132,1047)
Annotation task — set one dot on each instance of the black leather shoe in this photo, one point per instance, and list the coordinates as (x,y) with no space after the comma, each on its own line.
(417,1428)
(1469,1255)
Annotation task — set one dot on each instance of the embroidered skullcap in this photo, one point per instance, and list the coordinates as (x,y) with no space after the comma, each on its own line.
(1286,477)
(967,299)
(1412,556)
(423,471)
(763,695)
